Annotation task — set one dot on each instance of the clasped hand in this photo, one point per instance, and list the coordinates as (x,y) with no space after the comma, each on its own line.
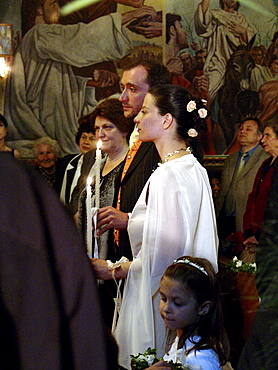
(111,218)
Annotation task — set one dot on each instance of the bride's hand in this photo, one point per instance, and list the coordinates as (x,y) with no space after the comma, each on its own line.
(101,269)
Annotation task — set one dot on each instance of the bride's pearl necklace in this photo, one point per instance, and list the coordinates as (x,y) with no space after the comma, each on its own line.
(169,155)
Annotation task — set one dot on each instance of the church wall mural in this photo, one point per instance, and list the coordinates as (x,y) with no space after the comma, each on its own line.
(224,51)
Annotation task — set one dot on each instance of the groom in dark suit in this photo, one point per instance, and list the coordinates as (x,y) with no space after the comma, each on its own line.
(141,160)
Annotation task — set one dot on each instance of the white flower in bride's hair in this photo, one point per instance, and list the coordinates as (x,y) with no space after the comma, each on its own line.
(202,112)
(204,101)
(192,132)
(191,106)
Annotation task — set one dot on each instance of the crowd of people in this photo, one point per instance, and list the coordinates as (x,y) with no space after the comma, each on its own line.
(157,204)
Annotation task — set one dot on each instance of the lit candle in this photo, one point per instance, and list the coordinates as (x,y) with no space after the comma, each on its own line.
(95,236)
(89,216)
(97,183)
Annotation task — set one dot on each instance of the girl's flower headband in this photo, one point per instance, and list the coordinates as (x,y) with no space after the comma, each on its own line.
(188,262)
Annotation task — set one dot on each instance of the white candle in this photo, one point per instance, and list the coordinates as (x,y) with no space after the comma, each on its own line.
(97,183)
(89,217)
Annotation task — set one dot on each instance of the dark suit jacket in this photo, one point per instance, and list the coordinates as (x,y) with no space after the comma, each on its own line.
(140,169)
(88,161)
(69,173)
(242,186)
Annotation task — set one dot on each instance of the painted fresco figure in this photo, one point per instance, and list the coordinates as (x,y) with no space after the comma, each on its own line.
(259,52)
(104,75)
(176,40)
(43,96)
(272,49)
(214,26)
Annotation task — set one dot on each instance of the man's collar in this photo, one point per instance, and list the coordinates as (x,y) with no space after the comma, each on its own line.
(250,151)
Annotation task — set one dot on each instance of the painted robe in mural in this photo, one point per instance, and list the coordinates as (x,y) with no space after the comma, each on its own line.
(43,96)
(213,29)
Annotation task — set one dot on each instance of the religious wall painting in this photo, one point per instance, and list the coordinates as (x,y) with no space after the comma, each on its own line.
(188,57)
(72,86)
(217,36)
(147,35)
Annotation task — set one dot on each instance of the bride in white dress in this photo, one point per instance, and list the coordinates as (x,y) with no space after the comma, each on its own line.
(174,216)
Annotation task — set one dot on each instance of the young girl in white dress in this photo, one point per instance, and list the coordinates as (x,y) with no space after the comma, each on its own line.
(190,305)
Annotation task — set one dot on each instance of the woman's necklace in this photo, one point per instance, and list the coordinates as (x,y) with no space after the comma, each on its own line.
(110,164)
(117,158)
(169,155)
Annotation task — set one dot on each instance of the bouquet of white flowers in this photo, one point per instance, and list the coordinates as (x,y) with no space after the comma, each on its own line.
(147,359)
(144,360)
(237,265)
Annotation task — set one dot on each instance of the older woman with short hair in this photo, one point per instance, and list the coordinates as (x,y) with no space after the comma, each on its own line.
(72,163)
(47,152)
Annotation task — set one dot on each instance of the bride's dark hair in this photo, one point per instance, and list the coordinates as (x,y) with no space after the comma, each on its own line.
(186,109)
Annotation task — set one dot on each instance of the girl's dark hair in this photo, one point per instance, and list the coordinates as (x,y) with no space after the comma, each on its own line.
(85,125)
(3,119)
(204,287)
(173,99)
(112,110)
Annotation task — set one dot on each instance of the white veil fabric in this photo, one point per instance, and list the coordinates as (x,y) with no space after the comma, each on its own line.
(173,217)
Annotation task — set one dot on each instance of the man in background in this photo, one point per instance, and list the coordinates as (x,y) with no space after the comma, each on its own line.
(240,169)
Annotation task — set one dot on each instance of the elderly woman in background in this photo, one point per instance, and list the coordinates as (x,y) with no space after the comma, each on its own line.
(254,214)
(71,164)
(173,216)
(3,133)
(47,153)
